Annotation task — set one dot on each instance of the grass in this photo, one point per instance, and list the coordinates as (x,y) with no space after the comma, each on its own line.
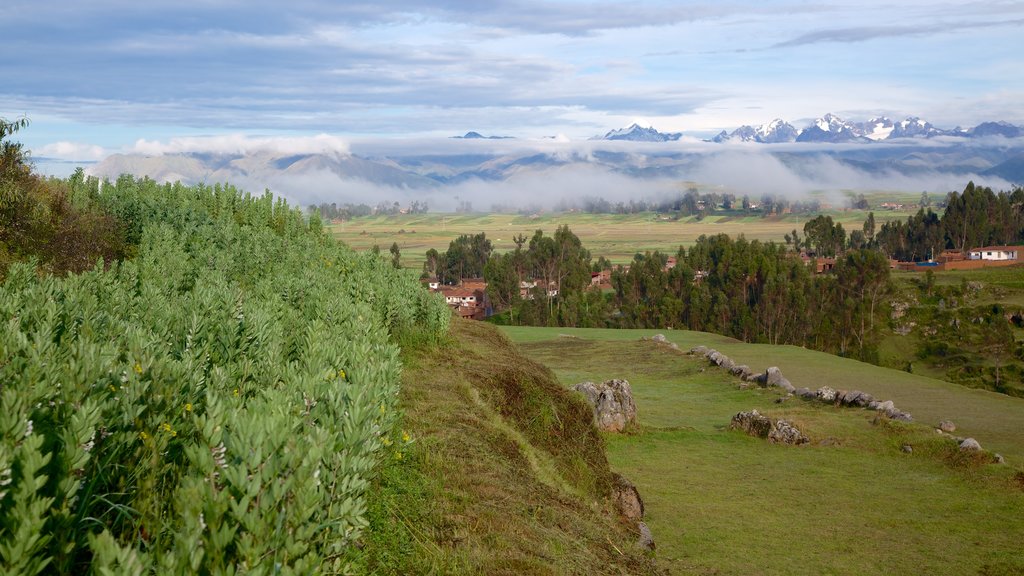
(991,418)
(617,237)
(505,474)
(720,502)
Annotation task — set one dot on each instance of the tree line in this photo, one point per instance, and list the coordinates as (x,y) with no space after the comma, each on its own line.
(976,217)
(750,290)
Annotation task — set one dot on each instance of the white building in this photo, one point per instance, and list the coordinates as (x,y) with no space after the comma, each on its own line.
(1002,253)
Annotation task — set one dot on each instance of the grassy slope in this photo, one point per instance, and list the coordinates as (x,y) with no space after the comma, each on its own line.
(505,473)
(993,419)
(720,502)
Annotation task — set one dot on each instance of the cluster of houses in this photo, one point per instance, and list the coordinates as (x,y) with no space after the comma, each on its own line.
(469,299)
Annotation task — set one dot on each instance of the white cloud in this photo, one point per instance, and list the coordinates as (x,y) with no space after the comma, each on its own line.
(65,150)
(243,144)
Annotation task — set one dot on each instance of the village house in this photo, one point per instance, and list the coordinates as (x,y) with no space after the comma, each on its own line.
(996,253)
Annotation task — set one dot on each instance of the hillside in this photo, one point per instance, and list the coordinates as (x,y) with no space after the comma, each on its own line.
(851,502)
(504,473)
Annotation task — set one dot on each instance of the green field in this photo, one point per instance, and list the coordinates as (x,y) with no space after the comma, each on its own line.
(852,502)
(616,237)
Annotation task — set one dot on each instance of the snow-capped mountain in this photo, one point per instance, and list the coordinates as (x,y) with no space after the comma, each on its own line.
(914,127)
(877,128)
(831,128)
(776,131)
(637,133)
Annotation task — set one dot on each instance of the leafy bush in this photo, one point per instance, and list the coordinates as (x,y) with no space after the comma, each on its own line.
(215,404)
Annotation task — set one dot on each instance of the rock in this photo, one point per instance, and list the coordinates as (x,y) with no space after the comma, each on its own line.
(674,346)
(825,394)
(753,423)
(885,407)
(947,426)
(998,459)
(626,498)
(740,370)
(873,405)
(760,426)
(727,364)
(646,540)
(907,448)
(804,393)
(716,357)
(773,377)
(785,433)
(660,338)
(853,398)
(612,402)
(698,350)
(901,416)
(865,400)
(970,445)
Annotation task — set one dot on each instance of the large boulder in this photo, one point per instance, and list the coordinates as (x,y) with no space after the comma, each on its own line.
(698,350)
(741,370)
(773,377)
(785,433)
(612,402)
(854,398)
(753,423)
(970,445)
(626,498)
(826,394)
(660,338)
(777,431)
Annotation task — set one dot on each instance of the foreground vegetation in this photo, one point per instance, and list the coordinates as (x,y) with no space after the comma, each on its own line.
(216,403)
(852,502)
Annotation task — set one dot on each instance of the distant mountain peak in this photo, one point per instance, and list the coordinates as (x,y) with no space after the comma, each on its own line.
(636,133)
(473,135)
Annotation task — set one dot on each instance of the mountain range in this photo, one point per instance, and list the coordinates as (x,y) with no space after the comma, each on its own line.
(833,129)
(631,162)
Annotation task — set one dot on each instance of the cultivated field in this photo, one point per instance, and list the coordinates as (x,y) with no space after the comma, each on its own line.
(616,237)
(850,503)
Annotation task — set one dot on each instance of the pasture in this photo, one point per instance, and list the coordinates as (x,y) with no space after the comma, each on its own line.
(617,237)
(852,502)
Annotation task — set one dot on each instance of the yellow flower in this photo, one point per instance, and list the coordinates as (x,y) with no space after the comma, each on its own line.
(398,455)
(405,437)
(143,435)
(341,374)
(236,392)
(188,406)
(167,428)
(138,368)
(112,389)
(386,441)
(382,411)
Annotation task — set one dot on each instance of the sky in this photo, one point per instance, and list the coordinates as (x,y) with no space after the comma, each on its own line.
(108,76)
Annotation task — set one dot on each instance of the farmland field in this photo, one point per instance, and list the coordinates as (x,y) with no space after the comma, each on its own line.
(851,502)
(617,237)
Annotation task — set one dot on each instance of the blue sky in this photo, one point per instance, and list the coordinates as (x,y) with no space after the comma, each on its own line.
(97,77)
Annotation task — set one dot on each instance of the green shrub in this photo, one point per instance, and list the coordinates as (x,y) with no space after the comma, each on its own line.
(215,404)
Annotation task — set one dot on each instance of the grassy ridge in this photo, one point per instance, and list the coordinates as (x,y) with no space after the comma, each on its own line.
(505,473)
(851,503)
